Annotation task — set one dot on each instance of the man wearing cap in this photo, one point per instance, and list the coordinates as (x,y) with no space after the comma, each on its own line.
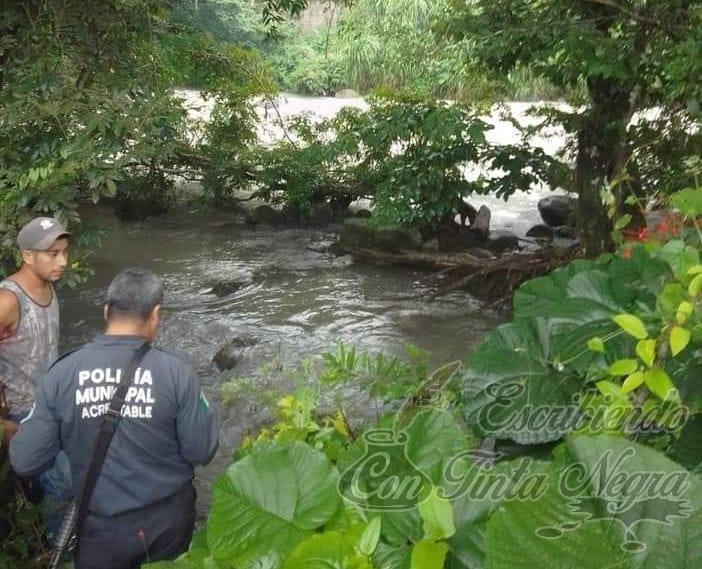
(29,313)
(29,329)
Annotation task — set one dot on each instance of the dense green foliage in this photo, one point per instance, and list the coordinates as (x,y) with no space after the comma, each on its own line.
(631,68)
(595,381)
(87,108)
(632,56)
(410,158)
(392,46)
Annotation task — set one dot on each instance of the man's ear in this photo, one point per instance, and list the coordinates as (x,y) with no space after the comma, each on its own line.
(27,257)
(105,312)
(156,313)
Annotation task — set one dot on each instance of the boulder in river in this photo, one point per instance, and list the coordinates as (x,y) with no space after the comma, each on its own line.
(557,210)
(565,232)
(363,213)
(232,353)
(499,241)
(222,288)
(540,231)
(360,234)
(481,223)
(318,214)
(265,213)
(452,240)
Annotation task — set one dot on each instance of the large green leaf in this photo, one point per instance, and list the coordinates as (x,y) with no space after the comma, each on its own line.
(687,450)
(581,526)
(270,501)
(478,491)
(407,453)
(428,555)
(328,550)
(515,370)
(544,355)
(197,557)
(686,370)
(539,294)
(680,257)
(387,557)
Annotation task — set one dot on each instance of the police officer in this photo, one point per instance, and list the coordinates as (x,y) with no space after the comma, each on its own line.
(143,506)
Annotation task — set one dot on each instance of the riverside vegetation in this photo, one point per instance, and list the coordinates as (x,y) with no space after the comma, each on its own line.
(88,111)
(592,388)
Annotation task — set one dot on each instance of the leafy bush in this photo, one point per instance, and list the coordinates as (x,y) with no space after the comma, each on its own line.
(307,64)
(415,489)
(85,109)
(410,158)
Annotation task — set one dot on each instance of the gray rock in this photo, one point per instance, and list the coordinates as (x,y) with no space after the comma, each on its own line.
(229,355)
(540,231)
(557,210)
(565,232)
(481,224)
(319,214)
(360,234)
(363,214)
(341,213)
(290,213)
(346,94)
(225,287)
(321,246)
(266,214)
(500,241)
(432,245)
(481,253)
(451,241)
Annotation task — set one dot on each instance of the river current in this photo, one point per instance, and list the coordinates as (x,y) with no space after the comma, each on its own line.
(293,299)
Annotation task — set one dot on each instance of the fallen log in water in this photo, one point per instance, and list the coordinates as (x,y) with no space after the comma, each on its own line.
(494,279)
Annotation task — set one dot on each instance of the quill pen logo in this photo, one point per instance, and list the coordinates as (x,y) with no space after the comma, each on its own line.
(614,492)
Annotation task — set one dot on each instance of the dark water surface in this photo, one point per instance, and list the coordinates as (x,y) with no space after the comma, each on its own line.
(296,301)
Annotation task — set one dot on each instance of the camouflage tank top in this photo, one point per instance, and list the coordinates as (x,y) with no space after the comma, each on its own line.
(30,349)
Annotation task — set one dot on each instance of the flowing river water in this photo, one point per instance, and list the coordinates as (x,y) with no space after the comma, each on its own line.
(295,299)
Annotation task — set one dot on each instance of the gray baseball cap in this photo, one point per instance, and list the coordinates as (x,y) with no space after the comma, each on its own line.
(40,233)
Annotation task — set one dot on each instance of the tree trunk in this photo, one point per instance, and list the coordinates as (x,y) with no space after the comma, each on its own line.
(601,144)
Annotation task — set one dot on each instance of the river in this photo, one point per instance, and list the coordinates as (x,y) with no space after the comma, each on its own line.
(295,300)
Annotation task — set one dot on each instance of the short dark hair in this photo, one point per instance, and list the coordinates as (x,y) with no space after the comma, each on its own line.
(134,292)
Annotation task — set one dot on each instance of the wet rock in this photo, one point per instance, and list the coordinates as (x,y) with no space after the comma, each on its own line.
(432,245)
(225,287)
(540,231)
(363,214)
(340,214)
(318,214)
(322,245)
(451,240)
(565,232)
(500,241)
(229,355)
(290,213)
(346,94)
(266,214)
(481,253)
(481,223)
(360,234)
(557,210)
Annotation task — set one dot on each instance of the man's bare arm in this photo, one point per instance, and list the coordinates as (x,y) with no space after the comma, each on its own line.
(9,314)
(9,319)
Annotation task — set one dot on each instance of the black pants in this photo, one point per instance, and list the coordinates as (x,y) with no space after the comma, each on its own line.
(156,532)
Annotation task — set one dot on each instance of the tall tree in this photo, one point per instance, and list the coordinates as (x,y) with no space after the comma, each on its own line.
(631,56)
